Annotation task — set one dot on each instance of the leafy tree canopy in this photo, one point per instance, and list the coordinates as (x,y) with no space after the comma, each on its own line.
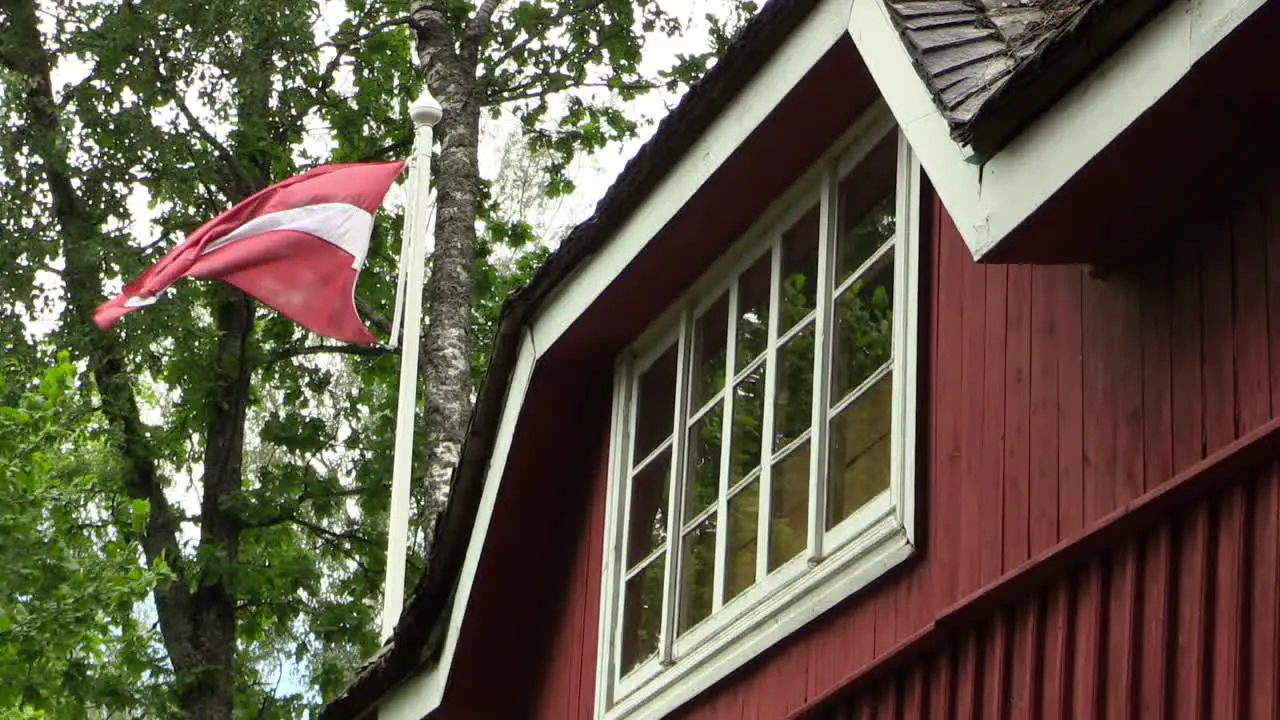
(194,504)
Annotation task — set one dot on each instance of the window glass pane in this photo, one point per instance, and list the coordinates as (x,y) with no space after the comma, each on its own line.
(793,398)
(702,481)
(863,340)
(859,447)
(655,404)
(799,270)
(642,615)
(744,519)
(748,423)
(753,312)
(697,573)
(649,491)
(789,506)
(867,207)
(710,338)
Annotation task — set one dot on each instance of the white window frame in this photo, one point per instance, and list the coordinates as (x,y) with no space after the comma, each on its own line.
(838,562)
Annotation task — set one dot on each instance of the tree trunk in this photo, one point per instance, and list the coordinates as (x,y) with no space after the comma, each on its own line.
(450,70)
(197,626)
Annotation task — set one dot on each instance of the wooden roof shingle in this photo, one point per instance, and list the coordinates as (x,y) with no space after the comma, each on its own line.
(993,65)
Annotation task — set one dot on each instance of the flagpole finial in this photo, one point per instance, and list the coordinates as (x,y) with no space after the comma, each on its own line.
(426,109)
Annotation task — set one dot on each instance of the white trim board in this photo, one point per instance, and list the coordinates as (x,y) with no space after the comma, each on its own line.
(423,692)
(988,202)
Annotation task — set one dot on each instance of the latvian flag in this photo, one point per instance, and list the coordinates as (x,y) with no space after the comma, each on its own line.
(297,246)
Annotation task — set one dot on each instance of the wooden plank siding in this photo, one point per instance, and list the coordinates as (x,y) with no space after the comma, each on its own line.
(1122,686)
(1054,399)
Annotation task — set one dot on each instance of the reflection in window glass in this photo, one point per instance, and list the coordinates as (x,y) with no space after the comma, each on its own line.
(859,451)
(710,337)
(863,340)
(753,312)
(744,518)
(702,481)
(789,507)
(799,291)
(697,574)
(867,209)
(793,398)
(649,490)
(655,404)
(642,615)
(748,424)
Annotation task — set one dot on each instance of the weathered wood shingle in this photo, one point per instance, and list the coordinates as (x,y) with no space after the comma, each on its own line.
(993,65)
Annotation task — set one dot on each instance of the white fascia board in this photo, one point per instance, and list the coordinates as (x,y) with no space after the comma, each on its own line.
(987,202)
(825,25)
(423,692)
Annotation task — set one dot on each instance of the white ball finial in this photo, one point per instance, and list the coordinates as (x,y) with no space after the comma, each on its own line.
(426,109)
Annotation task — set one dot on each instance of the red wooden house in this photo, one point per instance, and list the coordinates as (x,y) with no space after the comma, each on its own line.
(926,363)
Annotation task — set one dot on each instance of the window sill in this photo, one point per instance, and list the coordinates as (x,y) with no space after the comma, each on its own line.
(723,648)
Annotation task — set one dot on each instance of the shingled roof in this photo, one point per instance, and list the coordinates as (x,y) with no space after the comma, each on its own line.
(992,66)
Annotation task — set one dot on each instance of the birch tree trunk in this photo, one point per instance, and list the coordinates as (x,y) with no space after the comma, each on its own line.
(449,65)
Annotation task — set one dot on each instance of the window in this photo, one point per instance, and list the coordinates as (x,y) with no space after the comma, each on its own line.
(762,445)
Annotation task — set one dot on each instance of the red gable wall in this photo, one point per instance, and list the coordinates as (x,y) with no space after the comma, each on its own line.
(1061,410)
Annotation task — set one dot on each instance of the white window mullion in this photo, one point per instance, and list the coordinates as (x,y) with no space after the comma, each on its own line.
(827,224)
(770,380)
(618,491)
(726,452)
(670,581)
(902,436)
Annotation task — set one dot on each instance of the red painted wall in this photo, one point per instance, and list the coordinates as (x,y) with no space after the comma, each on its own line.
(1054,400)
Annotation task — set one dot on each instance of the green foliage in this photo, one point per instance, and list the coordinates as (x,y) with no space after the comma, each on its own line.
(567,69)
(73,637)
(185,108)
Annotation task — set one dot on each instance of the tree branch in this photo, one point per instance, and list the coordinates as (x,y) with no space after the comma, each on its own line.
(244,180)
(434,35)
(289,514)
(479,24)
(367,350)
(552,23)
(350,538)
(361,37)
(381,153)
(371,314)
(540,87)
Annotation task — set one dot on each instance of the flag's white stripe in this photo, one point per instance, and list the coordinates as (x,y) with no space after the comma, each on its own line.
(340,224)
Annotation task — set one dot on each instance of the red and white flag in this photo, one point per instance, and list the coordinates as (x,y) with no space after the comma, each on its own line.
(297,246)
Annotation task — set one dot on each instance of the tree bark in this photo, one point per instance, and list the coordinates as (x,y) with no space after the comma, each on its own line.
(449,65)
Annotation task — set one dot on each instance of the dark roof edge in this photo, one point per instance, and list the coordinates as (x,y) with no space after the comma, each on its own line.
(431,599)
(1062,61)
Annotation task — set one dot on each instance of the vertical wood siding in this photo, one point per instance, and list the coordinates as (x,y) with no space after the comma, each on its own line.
(1054,398)
(1076,648)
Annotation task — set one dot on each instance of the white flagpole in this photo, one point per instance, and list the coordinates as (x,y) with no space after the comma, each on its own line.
(426,112)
